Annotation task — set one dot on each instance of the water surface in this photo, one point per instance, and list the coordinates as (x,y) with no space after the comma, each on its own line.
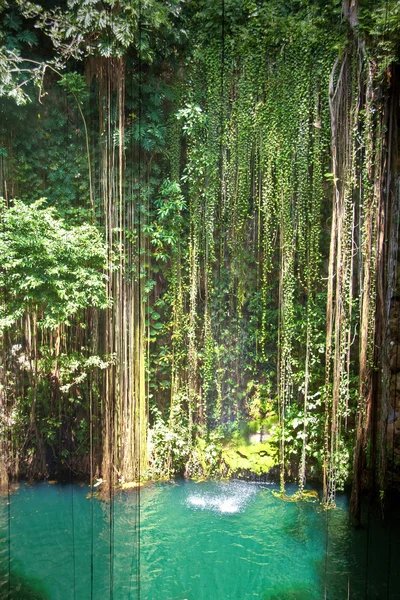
(190,541)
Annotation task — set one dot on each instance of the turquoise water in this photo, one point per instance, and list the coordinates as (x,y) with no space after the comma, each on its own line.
(198,541)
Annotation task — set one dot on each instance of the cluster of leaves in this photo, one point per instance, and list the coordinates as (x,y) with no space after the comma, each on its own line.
(379,22)
(107,28)
(48,267)
(16,37)
(274,22)
(174,453)
(45,147)
(164,235)
(170,446)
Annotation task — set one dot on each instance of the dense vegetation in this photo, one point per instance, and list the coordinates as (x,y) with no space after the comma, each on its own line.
(216,251)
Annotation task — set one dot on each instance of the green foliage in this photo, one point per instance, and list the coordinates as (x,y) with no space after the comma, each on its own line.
(170,447)
(107,28)
(48,267)
(76,84)
(212,173)
(165,233)
(16,38)
(379,21)
(75,368)
(241,460)
(207,457)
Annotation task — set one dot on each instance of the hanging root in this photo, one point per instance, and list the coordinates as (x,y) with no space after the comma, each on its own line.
(299,496)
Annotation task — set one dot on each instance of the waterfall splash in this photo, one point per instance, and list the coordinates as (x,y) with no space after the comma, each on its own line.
(230,497)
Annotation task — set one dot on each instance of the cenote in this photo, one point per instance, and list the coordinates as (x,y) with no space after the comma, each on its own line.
(199,294)
(191,541)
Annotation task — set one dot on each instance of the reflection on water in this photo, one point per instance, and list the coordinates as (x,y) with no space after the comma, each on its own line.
(16,586)
(204,541)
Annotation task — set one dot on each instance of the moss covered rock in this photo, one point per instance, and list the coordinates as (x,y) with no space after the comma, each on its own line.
(254,458)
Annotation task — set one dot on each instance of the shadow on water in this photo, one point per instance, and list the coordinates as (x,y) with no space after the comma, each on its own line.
(296,526)
(15,585)
(350,562)
(19,587)
(360,561)
(300,592)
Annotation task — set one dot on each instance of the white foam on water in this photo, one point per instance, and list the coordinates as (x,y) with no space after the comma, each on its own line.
(227,498)
(229,506)
(197,501)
